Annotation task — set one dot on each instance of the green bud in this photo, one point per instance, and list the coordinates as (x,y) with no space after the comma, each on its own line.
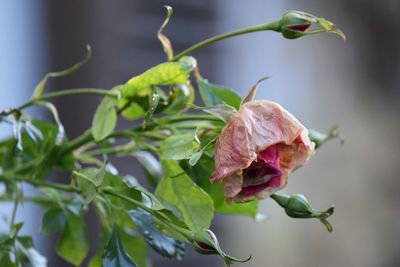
(204,248)
(297,206)
(320,138)
(295,24)
(208,244)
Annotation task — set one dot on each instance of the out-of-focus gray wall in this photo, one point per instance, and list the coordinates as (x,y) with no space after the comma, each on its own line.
(320,79)
(22,61)
(324,81)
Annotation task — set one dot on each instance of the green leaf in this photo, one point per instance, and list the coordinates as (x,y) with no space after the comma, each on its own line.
(161,243)
(105,119)
(39,157)
(114,254)
(178,189)
(201,172)
(133,111)
(136,248)
(253,90)
(168,73)
(197,156)
(42,84)
(180,96)
(178,147)
(73,244)
(118,184)
(5,260)
(53,220)
(95,176)
(221,111)
(213,94)
(89,179)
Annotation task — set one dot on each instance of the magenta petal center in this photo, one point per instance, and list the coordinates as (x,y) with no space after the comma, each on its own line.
(263,172)
(299,27)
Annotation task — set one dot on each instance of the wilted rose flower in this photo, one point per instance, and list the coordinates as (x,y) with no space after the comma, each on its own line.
(258,148)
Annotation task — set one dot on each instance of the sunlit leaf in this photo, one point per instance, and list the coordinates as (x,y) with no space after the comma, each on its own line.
(168,73)
(132,111)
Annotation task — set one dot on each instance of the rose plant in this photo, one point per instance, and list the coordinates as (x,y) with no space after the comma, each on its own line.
(256,145)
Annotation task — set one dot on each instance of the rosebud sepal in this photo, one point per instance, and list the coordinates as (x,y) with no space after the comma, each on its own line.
(208,244)
(297,206)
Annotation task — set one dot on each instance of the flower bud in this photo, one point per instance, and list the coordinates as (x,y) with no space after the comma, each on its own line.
(321,138)
(204,248)
(295,24)
(208,244)
(297,206)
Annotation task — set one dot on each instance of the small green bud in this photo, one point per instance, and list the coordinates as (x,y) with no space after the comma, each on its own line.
(320,138)
(297,206)
(204,248)
(295,24)
(208,244)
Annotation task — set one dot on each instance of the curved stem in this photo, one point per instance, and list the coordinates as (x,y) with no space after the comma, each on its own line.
(62,187)
(14,212)
(87,136)
(78,91)
(273,26)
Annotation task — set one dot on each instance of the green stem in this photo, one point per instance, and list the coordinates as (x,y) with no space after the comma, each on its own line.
(56,186)
(87,136)
(36,183)
(78,91)
(273,26)
(84,177)
(14,211)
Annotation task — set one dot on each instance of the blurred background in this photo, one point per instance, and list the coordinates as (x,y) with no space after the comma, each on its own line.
(320,79)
